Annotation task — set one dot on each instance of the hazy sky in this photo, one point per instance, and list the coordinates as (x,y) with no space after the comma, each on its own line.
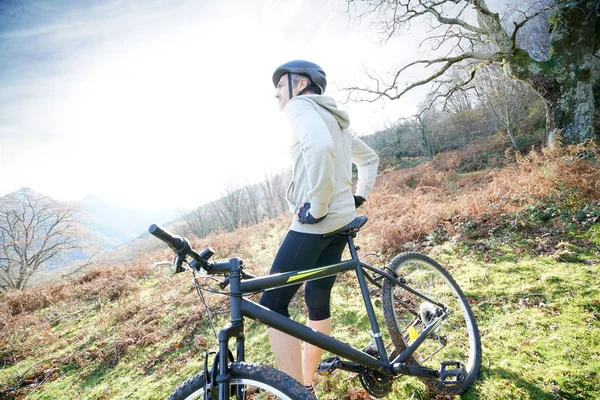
(158,103)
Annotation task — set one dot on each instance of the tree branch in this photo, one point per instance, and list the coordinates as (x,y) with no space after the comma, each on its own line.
(455,21)
(449,62)
(85,265)
(513,37)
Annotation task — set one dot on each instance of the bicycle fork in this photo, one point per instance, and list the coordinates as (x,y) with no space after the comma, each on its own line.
(236,329)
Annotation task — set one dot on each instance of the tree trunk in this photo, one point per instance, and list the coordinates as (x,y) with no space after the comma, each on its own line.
(512,139)
(565,81)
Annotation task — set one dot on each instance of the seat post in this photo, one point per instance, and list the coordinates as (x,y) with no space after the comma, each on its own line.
(351,246)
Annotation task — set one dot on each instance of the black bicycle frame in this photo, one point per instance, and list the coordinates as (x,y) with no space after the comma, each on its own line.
(241,307)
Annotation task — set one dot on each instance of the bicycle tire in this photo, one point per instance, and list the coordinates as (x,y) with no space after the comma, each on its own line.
(404,321)
(260,382)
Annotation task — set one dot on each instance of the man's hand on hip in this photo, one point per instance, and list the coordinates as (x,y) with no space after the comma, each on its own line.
(358,201)
(304,217)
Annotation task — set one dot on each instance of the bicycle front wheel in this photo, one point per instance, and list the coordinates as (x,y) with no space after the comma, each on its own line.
(407,315)
(248,382)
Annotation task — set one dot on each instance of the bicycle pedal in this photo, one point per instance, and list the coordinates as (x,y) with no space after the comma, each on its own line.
(329,365)
(452,373)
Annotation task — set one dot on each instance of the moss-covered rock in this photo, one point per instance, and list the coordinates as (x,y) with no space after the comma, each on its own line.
(568,257)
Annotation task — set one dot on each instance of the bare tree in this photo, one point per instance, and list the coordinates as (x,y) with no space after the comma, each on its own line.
(460,30)
(424,133)
(83,266)
(390,143)
(266,186)
(34,230)
(199,221)
(230,207)
(281,184)
(274,189)
(252,204)
(460,100)
(507,100)
(421,125)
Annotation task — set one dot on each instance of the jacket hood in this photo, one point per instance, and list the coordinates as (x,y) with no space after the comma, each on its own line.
(330,105)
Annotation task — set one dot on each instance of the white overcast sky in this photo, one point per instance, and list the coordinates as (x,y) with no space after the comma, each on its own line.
(159,103)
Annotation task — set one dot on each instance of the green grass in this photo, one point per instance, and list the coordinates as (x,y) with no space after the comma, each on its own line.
(593,234)
(538,318)
(538,340)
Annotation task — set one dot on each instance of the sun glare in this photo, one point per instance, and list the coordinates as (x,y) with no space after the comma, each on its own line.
(176,107)
(187,106)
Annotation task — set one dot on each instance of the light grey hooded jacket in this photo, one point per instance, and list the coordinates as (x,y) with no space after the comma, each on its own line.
(323,151)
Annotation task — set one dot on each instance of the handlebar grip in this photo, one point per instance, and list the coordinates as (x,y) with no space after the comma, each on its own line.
(175,242)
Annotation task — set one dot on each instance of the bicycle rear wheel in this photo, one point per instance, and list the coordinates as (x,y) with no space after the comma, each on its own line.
(257,382)
(407,315)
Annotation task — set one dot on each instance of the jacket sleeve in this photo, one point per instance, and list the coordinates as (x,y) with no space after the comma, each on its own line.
(318,152)
(367,162)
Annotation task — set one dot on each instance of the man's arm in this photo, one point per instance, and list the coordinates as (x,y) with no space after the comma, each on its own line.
(367,162)
(318,152)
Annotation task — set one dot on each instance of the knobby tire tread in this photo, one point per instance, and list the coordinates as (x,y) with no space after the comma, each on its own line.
(244,370)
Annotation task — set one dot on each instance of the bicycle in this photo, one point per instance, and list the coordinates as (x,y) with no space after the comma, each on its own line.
(429,322)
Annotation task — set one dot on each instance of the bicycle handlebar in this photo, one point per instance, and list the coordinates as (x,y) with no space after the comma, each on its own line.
(175,242)
(182,247)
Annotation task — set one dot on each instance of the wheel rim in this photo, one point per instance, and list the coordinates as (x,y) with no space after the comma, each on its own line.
(457,330)
(255,390)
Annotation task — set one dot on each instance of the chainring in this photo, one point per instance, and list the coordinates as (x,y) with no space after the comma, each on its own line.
(375,383)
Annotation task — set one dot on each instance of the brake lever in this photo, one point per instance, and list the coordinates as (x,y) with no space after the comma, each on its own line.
(162,264)
(177,265)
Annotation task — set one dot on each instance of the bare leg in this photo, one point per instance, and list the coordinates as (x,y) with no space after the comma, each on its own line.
(312,354)
(288,353)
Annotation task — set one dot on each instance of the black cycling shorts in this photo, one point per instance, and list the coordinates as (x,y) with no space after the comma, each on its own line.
(302,251)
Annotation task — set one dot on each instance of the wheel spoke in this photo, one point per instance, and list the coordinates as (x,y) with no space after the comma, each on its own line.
(408,314)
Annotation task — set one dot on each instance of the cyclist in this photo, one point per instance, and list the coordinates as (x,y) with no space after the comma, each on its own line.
(320,196)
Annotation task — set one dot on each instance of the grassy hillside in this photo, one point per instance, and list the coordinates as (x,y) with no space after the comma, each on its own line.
(522,240)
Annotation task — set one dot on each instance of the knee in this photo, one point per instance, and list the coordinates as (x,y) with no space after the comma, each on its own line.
(319,314)
(317,296)
(273,304)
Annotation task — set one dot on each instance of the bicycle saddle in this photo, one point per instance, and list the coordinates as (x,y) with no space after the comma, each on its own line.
(351,228)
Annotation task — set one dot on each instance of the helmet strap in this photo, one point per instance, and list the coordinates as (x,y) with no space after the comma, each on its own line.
(308,86)
(303,91)
(290,85)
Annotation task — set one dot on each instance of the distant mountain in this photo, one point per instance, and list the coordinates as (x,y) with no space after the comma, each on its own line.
(117,223)
(106,227)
